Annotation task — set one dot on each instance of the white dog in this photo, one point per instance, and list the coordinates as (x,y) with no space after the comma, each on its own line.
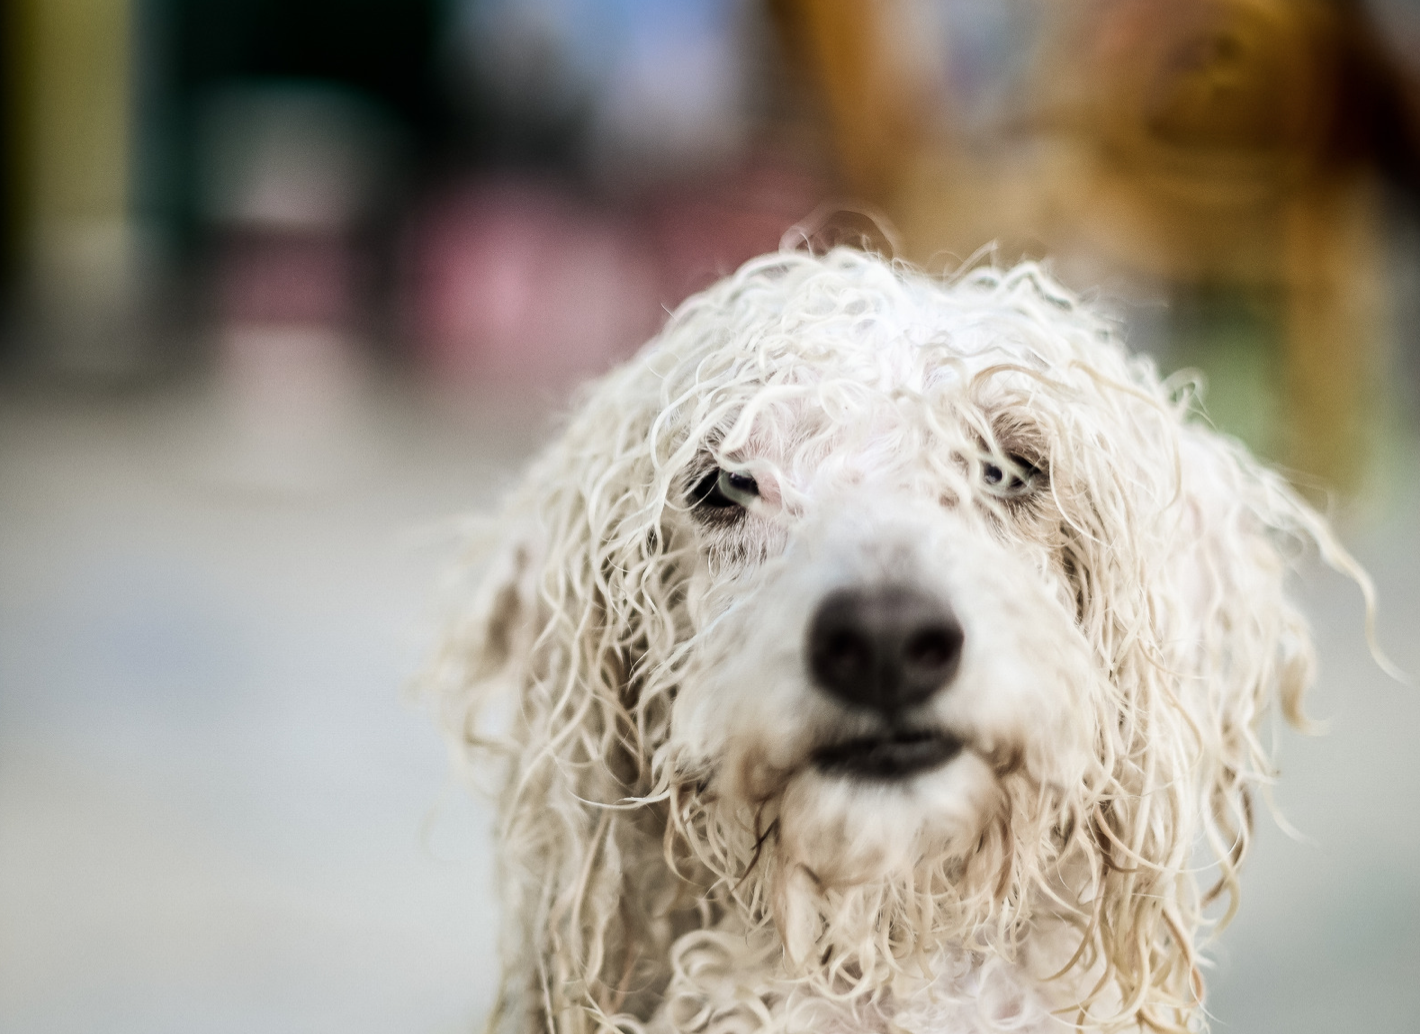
(876,653)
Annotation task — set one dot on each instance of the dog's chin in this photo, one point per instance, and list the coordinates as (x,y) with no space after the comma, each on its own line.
(887,757)
(869,807)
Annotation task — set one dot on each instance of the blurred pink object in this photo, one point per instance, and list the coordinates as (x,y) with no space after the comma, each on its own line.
(514,283)
(288,277)
(701,234)
(519,283)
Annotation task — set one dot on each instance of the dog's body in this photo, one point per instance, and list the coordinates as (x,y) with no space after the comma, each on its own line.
(874,653)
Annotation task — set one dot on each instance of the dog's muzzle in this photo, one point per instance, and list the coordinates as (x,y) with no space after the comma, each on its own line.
(885,649)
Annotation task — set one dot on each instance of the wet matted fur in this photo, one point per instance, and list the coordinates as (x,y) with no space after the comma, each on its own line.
(683,847)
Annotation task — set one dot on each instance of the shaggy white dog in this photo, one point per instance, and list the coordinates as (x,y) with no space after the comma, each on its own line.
(876,653)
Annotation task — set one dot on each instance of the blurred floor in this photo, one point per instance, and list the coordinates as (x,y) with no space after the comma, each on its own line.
(217,814)
(213,798)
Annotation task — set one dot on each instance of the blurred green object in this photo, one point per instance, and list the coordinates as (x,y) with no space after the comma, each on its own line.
(1236,342)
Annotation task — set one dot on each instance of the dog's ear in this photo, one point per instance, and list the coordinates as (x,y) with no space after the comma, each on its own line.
(1211,647)
(492,631)
(1244,649)
(554,672)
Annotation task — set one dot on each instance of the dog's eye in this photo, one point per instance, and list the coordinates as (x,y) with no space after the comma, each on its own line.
(722,490)
(1018,478)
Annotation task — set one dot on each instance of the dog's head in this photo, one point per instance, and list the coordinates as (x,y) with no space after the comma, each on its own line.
(885,614)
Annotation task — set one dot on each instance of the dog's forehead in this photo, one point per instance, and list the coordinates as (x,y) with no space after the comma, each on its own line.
(913,349)
(795,355)
(877,385)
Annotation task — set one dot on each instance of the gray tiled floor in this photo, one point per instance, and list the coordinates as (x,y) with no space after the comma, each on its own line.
(216,813)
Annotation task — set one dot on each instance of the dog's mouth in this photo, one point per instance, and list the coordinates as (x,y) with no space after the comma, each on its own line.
(896,754)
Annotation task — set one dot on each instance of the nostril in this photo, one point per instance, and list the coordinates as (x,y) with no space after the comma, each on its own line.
(843,648)
(933,647)
(929,656)
(841,656)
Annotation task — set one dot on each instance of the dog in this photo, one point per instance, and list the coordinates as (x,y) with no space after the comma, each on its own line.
(878,651)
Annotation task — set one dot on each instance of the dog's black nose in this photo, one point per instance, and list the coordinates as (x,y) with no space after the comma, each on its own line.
(883,648)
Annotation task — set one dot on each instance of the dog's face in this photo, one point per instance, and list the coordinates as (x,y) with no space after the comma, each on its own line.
(885,607)
(882,614)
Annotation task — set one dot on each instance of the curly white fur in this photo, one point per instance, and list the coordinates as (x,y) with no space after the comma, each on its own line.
(673,858)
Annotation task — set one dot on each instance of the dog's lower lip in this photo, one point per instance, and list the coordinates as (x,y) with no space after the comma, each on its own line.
(893,755)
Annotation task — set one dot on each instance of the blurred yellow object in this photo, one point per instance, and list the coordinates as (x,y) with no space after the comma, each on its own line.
(875,101)
(69,66)
(1232,146)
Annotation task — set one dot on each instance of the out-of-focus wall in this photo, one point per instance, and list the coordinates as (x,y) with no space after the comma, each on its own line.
(489,192)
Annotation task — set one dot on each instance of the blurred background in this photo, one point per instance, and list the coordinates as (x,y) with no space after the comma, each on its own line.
(286,287)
